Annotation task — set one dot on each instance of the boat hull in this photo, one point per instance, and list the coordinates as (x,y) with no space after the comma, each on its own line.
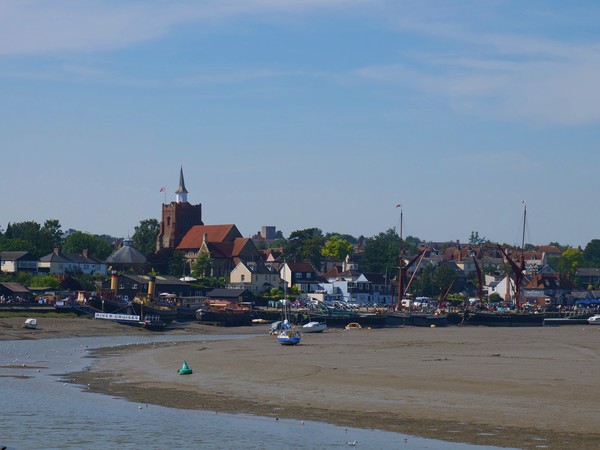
(111,306)
(417,320)
(492,319)
(314,327)
(167,315)
(288,337)
(594,320)
(225,318)
(341,320)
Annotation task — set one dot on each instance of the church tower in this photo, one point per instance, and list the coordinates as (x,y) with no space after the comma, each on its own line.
(181,192)
(177,218)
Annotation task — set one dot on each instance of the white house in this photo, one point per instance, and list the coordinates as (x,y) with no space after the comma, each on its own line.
(14,262)
(255,277)
(58,263)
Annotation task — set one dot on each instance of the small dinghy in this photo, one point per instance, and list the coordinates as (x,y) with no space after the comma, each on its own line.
(314,327)
(31,324)
(185,369)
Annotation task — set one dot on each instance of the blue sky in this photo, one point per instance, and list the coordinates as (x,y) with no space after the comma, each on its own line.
(298,114)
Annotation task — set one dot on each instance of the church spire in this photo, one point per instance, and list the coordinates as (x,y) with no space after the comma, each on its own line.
(181,192)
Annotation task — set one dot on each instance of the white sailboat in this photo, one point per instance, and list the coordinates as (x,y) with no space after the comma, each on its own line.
(288,335)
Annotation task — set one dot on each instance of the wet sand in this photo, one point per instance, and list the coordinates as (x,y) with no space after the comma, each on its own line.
(518,387)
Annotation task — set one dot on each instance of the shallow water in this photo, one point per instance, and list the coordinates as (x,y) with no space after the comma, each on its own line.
(39,410)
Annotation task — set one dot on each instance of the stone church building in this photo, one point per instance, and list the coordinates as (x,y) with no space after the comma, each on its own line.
(182,229)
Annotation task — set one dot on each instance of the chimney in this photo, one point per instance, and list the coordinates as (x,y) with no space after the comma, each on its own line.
(114,280)
(85,252)
(57,250)
(151,287)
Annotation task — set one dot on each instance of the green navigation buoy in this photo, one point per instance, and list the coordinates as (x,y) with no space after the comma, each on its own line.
(185,369)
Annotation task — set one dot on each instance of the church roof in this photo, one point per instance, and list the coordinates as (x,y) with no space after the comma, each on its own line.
(181,189)
(227,249)
(215,233)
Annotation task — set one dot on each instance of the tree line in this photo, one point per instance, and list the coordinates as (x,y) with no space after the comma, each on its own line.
(380,254)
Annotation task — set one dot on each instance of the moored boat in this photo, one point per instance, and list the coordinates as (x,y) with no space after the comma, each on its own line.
(288,334)
(166,313)
(30,323)
(224,313)
(417,319)
(504,318)
(314,327)
(339,319)
(594,320)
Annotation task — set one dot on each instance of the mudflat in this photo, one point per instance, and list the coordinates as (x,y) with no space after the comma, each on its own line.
(517,387)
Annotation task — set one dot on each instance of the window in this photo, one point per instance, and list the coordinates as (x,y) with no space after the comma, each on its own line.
(243,278)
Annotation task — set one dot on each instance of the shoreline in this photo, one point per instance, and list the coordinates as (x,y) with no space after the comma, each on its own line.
(523,388)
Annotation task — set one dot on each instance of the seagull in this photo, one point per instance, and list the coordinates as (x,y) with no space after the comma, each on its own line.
(352,444)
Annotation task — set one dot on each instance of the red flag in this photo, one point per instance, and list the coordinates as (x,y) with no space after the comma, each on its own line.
(162,189)
(398,206)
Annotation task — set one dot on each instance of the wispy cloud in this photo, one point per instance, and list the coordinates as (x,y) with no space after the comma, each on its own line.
(510,77)
(40,27)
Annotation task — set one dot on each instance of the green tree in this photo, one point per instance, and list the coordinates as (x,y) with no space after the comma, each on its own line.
(568,262)
(95,245)
(382,253)
(337,248)
(433,280)
(39,240)
(16,245)
(444,276)
(345,237)
(410,246)
(305,246)
(591,254)
(494,297)
(53,230)
(201,268)
(177,264)
(145,234)
(44,281)
(423,284)
(474,238)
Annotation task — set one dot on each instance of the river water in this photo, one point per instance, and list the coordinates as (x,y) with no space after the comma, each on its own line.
(40,410)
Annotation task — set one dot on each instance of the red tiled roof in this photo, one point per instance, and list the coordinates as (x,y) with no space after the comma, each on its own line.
(548,249)
(334,271)
(227,249)
(238,245)
(215,233)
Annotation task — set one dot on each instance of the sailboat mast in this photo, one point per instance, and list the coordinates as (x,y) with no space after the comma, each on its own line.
(524,223)
(400,269)
(519,275)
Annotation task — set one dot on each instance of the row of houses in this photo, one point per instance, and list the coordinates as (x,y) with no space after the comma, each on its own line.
(55,263)
(264,270)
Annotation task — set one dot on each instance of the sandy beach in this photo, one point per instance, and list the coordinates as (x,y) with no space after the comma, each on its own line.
(518,387)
